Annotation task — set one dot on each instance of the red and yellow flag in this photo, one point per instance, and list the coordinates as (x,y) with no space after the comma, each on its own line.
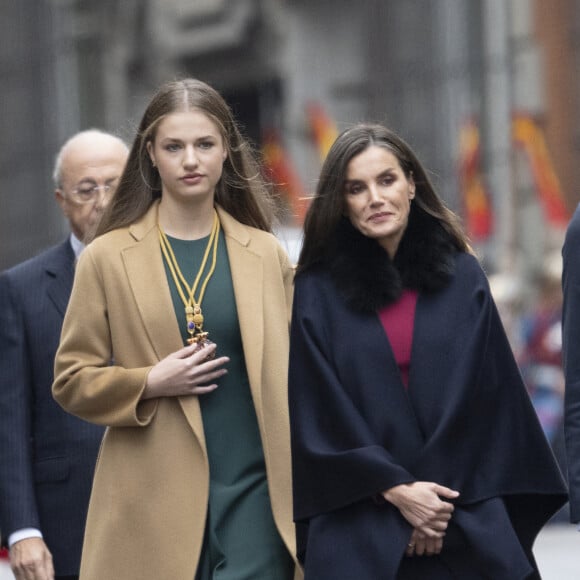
(478,214)
(280,170)
(528,135)
(322,128)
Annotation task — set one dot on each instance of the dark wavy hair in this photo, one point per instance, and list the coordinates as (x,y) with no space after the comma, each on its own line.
(327,207)
(241,191)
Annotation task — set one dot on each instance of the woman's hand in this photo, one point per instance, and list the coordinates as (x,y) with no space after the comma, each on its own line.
(187,371)
(421,545)
(421,505)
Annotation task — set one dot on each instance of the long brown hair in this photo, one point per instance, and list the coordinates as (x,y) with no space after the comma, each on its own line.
(327,207)
(241,190)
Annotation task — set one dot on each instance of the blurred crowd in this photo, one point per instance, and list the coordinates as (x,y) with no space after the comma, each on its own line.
(534,328)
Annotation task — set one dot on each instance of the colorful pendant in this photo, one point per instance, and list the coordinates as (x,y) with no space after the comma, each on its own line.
(194,319)
(191,327)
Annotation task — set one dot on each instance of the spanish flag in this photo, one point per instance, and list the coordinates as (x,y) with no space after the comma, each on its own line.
(478,214)
(528,135)
(322,128)
(280,170)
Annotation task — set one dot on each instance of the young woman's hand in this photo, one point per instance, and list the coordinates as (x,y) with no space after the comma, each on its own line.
(421,504)
(187,371)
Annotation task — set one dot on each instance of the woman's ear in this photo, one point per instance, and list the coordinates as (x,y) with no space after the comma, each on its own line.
(150,151)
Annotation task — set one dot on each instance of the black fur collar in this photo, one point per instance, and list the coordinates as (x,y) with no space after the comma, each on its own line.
(369,280)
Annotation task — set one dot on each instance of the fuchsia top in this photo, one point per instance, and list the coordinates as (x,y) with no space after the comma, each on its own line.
(398,321)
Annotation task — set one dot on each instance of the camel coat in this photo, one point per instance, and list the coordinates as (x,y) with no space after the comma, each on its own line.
(150,493)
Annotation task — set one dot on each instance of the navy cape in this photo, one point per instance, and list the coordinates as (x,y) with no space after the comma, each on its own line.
(465,422)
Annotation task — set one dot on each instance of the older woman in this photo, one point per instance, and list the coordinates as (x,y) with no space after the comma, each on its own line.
(416,451)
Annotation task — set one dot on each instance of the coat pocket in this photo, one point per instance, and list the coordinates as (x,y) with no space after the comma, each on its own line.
(51,470)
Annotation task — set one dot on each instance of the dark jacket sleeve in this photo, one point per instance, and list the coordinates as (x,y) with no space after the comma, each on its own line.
(571,357)
(336,459)
(18,507)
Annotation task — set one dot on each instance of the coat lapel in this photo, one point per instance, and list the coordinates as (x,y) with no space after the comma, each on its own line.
(144,266)
(60,272)
(248,280)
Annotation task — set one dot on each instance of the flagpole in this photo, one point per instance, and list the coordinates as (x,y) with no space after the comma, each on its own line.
(497,128)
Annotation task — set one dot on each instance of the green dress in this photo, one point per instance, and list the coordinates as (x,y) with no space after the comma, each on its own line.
(241,540)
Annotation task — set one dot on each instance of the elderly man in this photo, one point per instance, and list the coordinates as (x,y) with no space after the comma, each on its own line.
(47,457)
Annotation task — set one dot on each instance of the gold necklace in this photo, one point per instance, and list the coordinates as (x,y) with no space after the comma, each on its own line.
(193,314)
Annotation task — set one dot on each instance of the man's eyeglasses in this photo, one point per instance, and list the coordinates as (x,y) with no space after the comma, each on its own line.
(90,193)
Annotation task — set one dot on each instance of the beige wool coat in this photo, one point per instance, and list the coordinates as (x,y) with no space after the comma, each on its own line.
(150,494)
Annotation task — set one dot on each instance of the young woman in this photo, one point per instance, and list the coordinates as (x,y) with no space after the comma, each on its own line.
(176,338)
(416,451)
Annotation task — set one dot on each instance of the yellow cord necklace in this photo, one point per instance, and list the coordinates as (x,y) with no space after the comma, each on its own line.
(193,314)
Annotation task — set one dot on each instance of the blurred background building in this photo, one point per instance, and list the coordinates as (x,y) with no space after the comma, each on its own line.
(486,91)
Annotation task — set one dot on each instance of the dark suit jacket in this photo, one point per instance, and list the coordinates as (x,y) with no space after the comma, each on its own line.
(47,456)
(571,356)
(465,422)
